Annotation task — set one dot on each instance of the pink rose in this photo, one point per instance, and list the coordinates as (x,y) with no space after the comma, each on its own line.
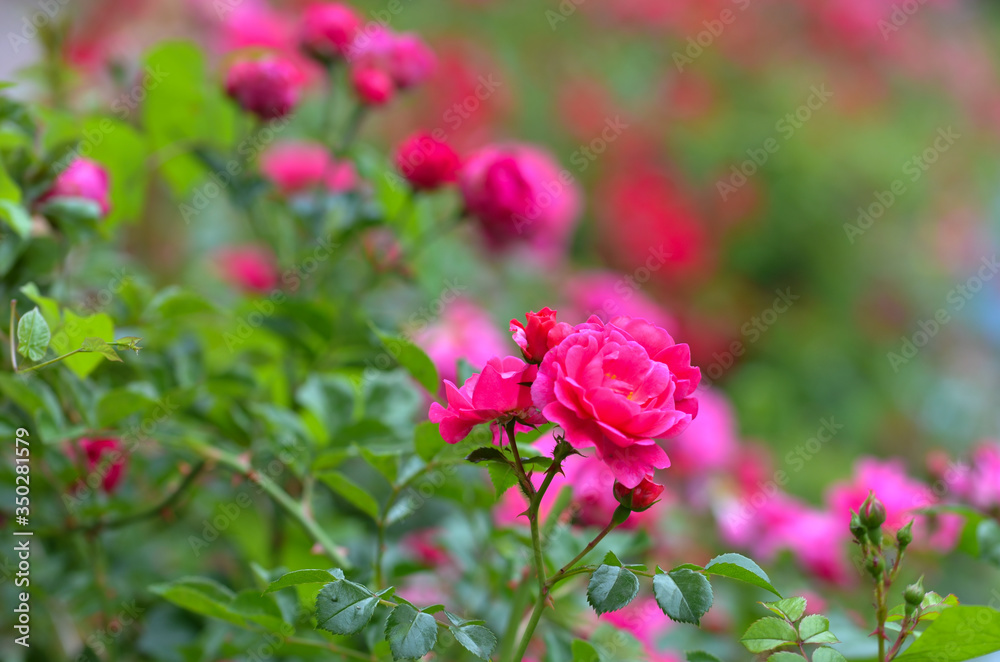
(519,192)
(498,394)
(82,179)
(609,295)
(534,337)
(901,495)
(638,498)
(267,87)
(294,167)
(619,387)
(411,61)
(328,30)
(644,620)
(373,86)
(250,268)
(106,457)
(427,163)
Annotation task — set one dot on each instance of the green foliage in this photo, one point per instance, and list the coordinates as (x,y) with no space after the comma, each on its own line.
(32,335)
(344,607)
(736,566)
(611,588)
(959,633)
(769,633)
(683,594)
(411,633)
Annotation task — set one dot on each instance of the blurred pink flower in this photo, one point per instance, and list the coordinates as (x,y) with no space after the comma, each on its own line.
(267,87)
(251,268)
(104,456)
(518,192)
(373,86)
(619,387)
(411,61)
(902,496)
(979,483)
(711,442)
(498,393)
(644,620)
(464,331)
(608,294)
(328,29)
(82,179)
(295,166)
(425,162)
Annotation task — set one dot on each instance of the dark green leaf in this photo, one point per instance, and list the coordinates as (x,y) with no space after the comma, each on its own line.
(427,440)
(343,607)
(410,633)
(611,588)
(701,656)
(683,594)
(584,652)
(352,492)
(487,454)
(736,566)
(473,635)
(16,217)
(297,577)
(503,477)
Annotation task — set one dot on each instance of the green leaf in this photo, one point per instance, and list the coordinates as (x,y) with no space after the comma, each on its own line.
(99,346)
(611,588)
(701,656)
(740,568)
(487,454)
(790,608)
(768,633)
(683,594)
(411,358)
(473,635)
(386,464)
(427,440)
(259,609)
(343,607)
(815,629)
(201,596)
(785,656)
(33,335)
(297,577)
(584,651)
(16,217)
(74,333)
(352,492)
(410,633)
(503,477)
(825,654)
(611,559)
(959,633)
(48,307)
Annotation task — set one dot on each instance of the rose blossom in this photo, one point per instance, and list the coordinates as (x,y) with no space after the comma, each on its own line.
(328,30)
(518,191)
(267,87)
(534,337)
(251,268)
(638,498)
(373,86)
(619,387)
(425,162)
(104,455)
(411,61)
(498,393)
(82,179)
(295,166)
(979,483)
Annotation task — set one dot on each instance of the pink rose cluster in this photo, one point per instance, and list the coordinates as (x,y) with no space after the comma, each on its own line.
(85,179)
(381,62)
(617,387)
(516,192)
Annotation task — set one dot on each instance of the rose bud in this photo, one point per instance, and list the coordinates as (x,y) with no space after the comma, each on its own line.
(858,530)
(426,163)
(914,595)
(82,179)
(905,536)
(640,497)
(411,61)
(533,337)
(268,87)
(105,457)
(328,30)
(373,86)
(250,268)
(872,512)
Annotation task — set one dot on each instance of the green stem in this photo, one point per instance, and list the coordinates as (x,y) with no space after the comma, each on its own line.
(536,615)
(170,500)
(51,361)
(291,506)
(560,574)
(517,606)
(326,645)
(13,337)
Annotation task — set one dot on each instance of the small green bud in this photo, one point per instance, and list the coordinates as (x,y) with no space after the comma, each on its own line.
(914,593)
(905,536)
(875,536)
(858,530)
(872,512)
(874,567)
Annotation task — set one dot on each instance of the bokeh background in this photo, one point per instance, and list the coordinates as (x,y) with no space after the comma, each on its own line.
(805,191)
